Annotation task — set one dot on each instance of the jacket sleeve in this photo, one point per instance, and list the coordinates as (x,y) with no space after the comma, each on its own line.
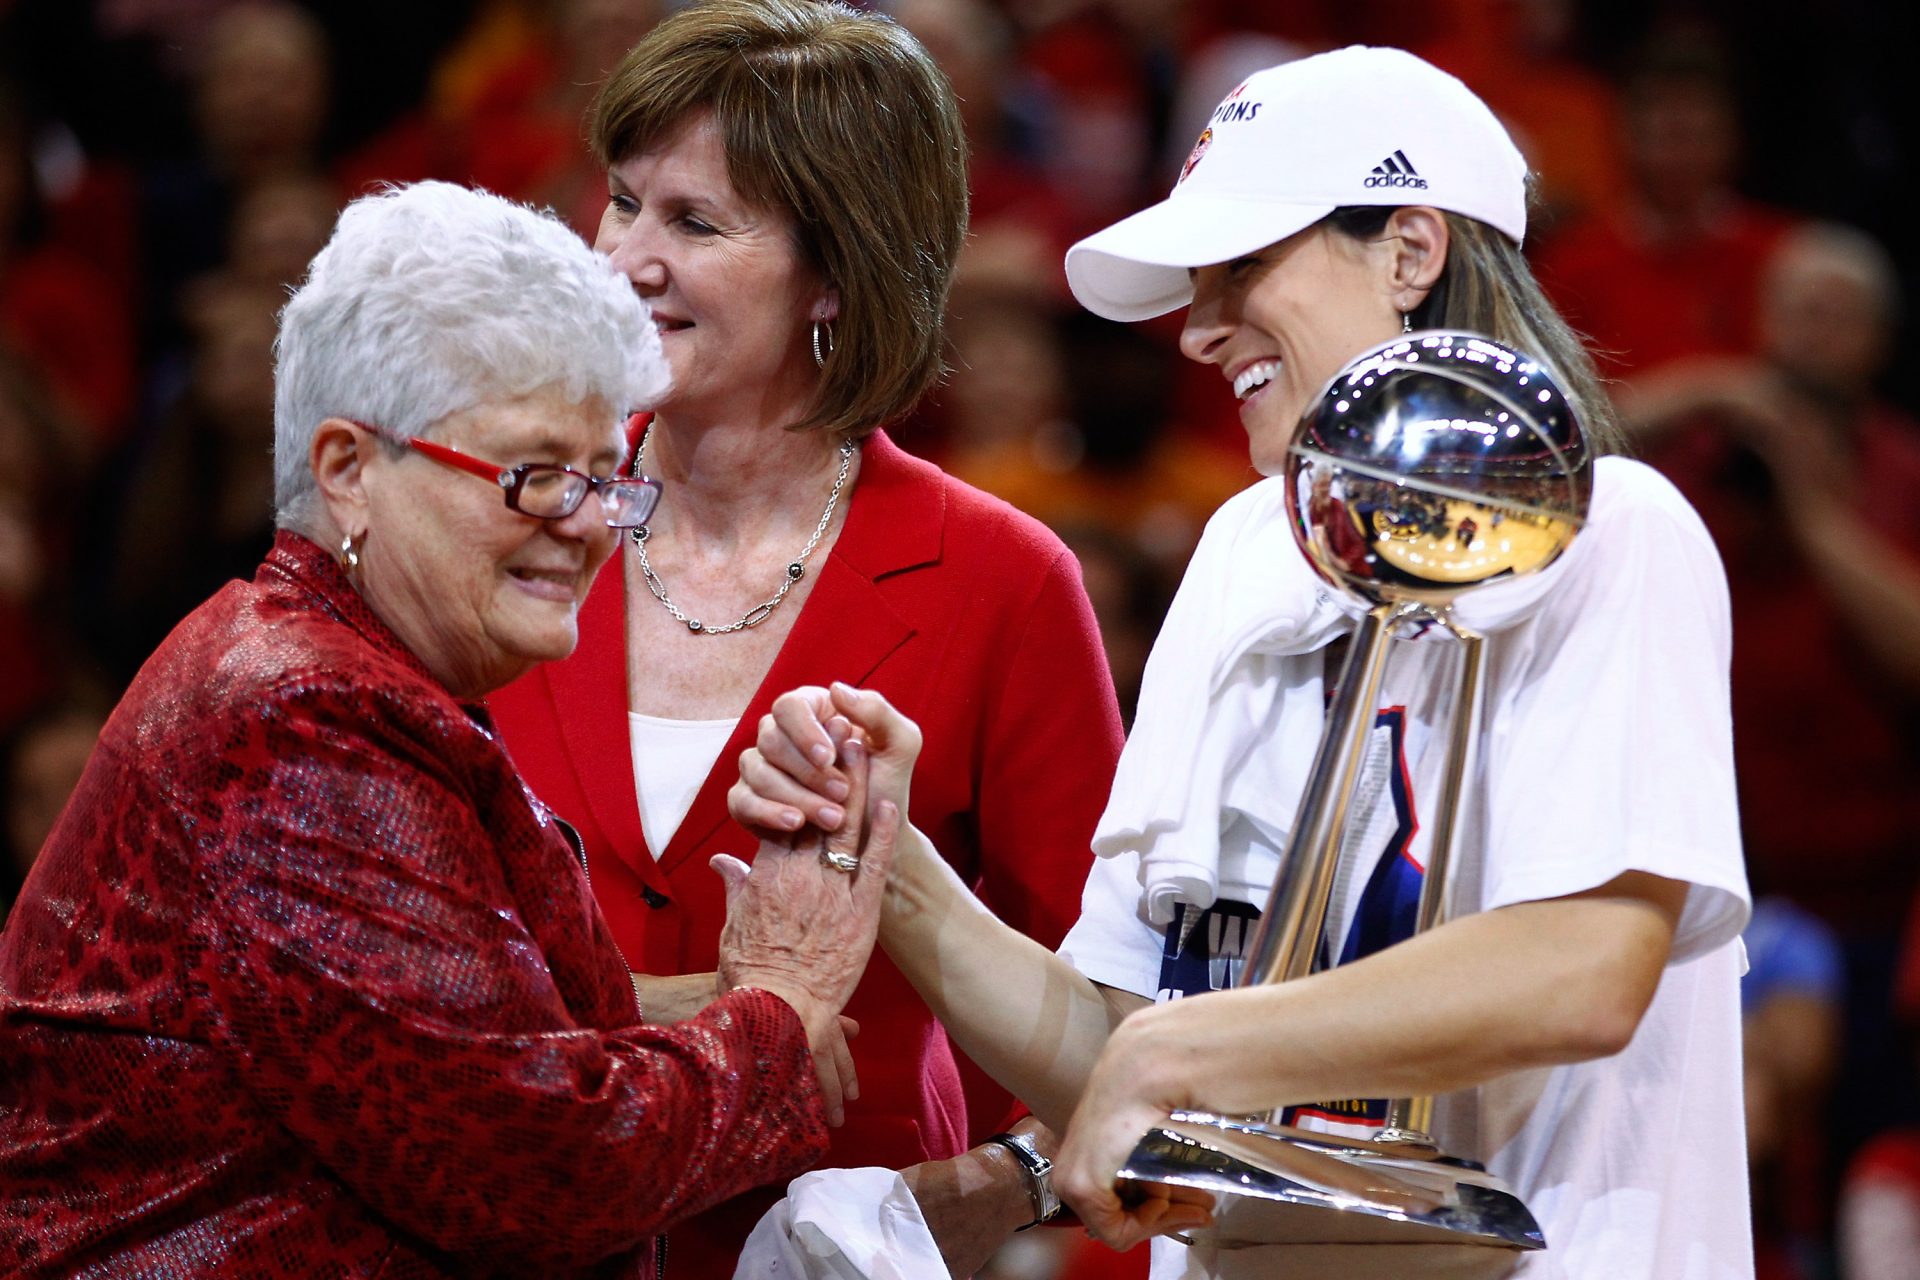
(376,953)
(1053,741)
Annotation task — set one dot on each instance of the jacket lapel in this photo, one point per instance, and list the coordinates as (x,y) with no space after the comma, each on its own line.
(590,699)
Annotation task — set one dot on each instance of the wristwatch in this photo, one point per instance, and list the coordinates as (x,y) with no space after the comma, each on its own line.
(1039,1172)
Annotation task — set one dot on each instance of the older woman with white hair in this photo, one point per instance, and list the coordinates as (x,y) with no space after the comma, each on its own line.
(305,982)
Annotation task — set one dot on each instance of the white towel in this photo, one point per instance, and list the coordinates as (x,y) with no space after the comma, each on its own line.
(1225,684)
(842,1224)
(1248,591)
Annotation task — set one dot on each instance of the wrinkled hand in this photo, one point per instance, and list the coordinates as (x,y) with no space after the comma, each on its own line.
(833,1064)
(1115,1112)
(803,930)
(790,776)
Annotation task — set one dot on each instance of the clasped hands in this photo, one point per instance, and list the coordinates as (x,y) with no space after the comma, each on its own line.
(793,780)
(802,928)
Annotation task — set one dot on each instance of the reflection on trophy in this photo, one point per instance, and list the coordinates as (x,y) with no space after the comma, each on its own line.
(1432,465)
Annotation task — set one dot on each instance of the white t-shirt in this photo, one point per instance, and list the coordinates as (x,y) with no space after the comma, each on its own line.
(1605,747)
(671,760)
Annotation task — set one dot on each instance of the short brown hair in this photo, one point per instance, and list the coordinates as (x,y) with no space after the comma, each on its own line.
(842,119)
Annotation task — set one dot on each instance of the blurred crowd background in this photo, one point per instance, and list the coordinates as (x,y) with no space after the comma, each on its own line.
(1724,198)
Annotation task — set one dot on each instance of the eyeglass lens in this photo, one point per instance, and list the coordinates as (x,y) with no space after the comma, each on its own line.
(628,502)
(553,494)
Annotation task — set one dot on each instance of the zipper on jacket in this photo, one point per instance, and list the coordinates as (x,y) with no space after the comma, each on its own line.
(579,848)
(660,1257)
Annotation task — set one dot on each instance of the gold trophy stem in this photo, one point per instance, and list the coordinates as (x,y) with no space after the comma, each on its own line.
(1410,1120)
(1288,935)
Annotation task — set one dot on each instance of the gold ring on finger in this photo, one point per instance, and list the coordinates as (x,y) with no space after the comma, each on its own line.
(839,861)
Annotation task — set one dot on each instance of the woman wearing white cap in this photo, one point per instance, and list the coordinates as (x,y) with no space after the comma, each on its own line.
(1580,1011)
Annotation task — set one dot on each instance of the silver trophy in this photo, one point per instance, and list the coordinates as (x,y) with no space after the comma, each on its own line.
(1432,465)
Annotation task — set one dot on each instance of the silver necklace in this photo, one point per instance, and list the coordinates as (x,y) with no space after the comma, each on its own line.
(796,568)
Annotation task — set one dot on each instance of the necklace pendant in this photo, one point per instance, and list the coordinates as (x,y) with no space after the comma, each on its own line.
(796,571)
(694,625)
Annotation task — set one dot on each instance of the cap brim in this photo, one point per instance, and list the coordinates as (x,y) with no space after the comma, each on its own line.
(1137,268)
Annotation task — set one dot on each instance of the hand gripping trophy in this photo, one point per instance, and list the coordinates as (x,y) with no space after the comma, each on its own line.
(1434,465)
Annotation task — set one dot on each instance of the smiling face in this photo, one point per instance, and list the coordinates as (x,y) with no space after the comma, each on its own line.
(733,297)
(479,592)
(1280,322)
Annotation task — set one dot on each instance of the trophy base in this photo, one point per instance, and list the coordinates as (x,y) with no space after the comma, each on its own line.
(1273,1184)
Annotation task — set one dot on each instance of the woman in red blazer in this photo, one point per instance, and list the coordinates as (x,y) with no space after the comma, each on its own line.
(787,190)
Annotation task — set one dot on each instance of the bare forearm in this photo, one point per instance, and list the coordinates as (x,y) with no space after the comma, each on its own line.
(972,1203)
(1532,985)
(1026,1016)
(673,998)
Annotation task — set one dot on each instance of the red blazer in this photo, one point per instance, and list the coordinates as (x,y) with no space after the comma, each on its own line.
(971,618)
(305,984)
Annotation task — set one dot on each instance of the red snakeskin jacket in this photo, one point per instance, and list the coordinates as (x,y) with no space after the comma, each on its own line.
(304,983)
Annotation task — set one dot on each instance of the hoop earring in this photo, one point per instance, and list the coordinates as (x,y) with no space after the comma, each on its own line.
(350,555)
(820,358)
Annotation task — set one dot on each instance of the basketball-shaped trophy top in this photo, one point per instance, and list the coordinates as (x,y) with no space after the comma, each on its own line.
(1436,463)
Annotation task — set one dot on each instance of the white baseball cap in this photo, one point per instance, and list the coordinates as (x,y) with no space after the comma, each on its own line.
(1359,126)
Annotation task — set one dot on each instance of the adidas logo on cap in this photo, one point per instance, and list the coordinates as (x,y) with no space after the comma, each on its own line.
(1395,171)
(1323,120)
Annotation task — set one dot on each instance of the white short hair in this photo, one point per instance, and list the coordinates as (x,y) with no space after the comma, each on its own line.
(431,299)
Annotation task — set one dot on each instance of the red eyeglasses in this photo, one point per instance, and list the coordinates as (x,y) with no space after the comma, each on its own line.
(548,491)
